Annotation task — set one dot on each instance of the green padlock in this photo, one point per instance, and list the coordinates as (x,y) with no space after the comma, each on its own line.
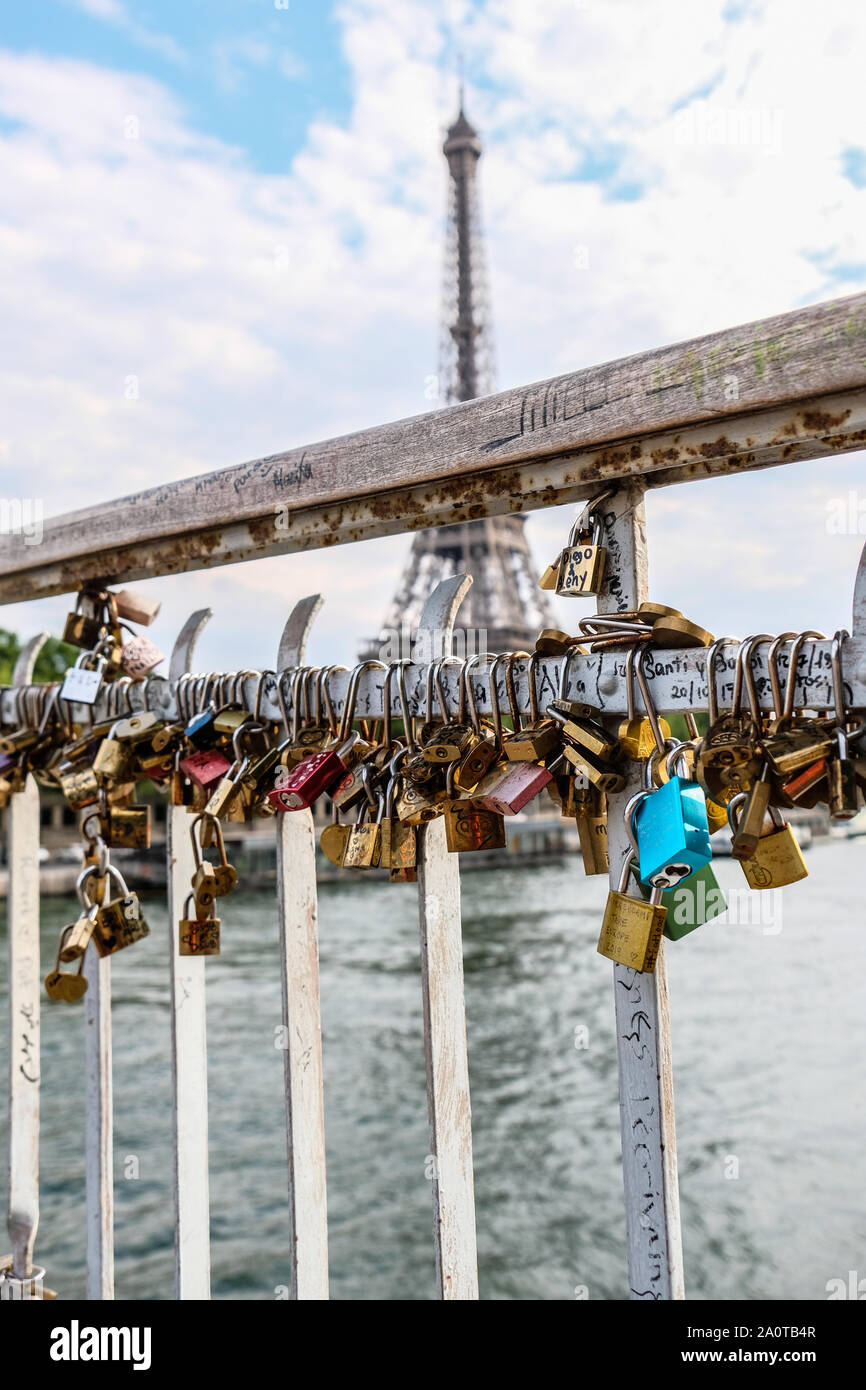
(691,902)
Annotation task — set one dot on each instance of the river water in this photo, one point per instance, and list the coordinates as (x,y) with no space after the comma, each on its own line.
(769,1038)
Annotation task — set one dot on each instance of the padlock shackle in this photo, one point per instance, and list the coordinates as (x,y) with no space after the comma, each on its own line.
(408,729)
(712,702)
(649,703)
(495,707)
(469,666)
(511,689)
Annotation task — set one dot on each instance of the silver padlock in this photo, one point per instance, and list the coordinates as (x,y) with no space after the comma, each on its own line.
(81,683)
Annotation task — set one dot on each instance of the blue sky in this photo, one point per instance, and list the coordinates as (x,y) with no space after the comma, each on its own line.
(239,209)
(247,72)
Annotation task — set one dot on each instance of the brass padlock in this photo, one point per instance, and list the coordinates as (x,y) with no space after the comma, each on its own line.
(591,820)
(113,757)
(582,563)
(631,930)
(76,938)
(198,936)
(364,841)
(21,741)
(211,880)
(86,630)
(550,575)
(119,922)
(137,727)
(78,784)
(778,859)
(333,841)
(65,986)
(468,826)
(127,827)
(750,820)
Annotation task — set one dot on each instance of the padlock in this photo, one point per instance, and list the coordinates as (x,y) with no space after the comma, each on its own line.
(200,729)
(676,631)
(778,859)
(591,738)
(791,745)
(230,798)
(797,744)
(87,630)
(350,791)
(166,739)
(127,827)
(229,719)
(81,683)
(692,902)
(139,656)
(198,936)
(76,938)
(582,562)
(399,846)
(590,814)
(21,741)
(119,922)
(333,840)
(550,575)
(539,736)
(415,807)
(312,777)
(135,607)
(137,727)
(509,787)
(203,880)
(671,831)
(751,819)
(65,986)
(843,801)
(364,841)
(631,929)
(221,878)
(113,756)
(806,787)
(205,767)
(468,826)
(78,783)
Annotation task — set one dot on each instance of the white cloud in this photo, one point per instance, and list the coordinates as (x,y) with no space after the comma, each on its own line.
(259,312)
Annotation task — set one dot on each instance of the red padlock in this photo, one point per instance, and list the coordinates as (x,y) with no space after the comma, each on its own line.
(205,768)
(299,786)
(507,789)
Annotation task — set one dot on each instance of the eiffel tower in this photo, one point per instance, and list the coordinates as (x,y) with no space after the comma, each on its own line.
(504,601)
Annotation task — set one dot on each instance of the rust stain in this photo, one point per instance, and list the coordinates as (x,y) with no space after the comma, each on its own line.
(718,449)
(819,420)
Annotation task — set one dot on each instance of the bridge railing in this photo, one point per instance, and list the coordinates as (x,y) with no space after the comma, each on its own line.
(758,396)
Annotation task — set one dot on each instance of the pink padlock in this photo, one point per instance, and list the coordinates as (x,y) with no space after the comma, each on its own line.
(511,786)
(140,655)
(205,768)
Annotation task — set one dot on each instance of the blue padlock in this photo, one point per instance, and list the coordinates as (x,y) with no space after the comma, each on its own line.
(200,730)
(673,837)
